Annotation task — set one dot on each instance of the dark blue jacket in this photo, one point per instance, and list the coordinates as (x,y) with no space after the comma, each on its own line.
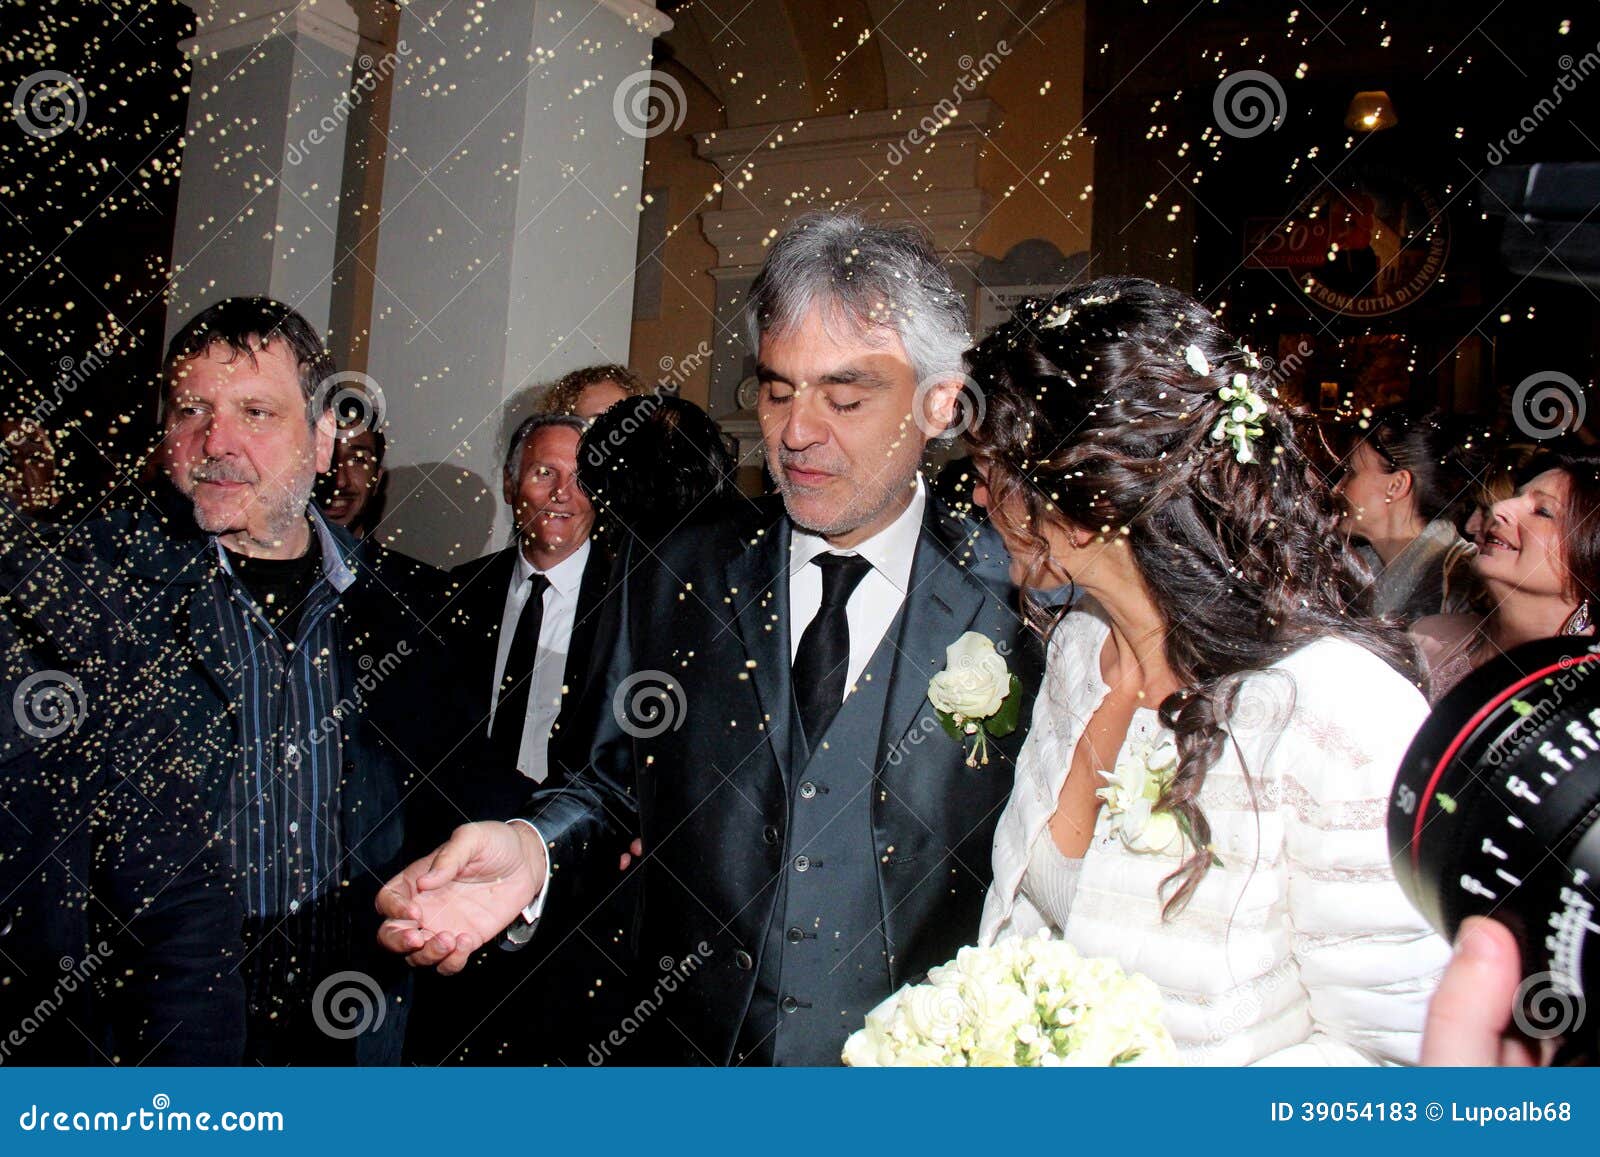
(108,604)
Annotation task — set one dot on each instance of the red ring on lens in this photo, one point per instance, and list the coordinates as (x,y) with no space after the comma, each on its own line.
(1565,664)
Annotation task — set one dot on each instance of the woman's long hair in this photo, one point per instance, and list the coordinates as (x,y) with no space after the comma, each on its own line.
(1100,411)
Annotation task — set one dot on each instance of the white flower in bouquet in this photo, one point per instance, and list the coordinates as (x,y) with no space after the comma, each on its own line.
(1021,1002)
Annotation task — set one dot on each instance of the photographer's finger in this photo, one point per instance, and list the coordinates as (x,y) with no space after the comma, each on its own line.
(1472,1008)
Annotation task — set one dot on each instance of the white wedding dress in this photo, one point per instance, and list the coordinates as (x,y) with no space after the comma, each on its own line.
(1300,947)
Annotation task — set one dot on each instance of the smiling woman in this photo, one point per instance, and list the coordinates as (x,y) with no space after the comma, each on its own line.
(1539,562)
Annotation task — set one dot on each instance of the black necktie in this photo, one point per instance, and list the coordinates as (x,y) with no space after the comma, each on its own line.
(823,660)
(512,711)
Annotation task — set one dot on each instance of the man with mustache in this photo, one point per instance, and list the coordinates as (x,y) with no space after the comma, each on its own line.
(812,837)
(277,676)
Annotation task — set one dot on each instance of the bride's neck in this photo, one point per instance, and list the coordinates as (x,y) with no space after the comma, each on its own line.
(1136,658)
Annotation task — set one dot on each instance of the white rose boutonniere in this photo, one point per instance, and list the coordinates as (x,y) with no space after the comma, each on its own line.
(976,697)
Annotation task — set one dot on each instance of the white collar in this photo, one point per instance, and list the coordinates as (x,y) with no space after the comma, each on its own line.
(890,551)
(566,576)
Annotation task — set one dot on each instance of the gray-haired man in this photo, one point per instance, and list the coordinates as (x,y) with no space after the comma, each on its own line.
(813,838)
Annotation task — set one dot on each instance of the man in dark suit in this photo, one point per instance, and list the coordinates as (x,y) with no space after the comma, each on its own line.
(813,839)
(521,625)
(525,657)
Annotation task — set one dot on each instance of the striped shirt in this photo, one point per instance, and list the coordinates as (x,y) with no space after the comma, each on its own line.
(280,820)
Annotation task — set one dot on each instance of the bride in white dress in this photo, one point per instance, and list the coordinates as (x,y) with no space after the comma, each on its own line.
(1203,792)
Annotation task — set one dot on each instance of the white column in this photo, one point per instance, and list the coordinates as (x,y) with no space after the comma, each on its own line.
(507,238)
(263,160)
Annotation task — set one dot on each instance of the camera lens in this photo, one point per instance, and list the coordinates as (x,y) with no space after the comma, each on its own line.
(1493,814)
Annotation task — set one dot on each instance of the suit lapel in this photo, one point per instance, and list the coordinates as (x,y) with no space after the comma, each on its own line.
(760,575)
(942,602)
(592,592)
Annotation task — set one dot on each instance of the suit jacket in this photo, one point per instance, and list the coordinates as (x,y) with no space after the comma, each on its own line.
(705,773)
(471,623)
(110,604)
(535,1007)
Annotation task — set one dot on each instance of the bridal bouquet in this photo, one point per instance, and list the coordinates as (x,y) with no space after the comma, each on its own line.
(1030,1001)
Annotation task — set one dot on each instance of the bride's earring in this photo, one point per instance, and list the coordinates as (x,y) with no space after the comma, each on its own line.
(1578,623)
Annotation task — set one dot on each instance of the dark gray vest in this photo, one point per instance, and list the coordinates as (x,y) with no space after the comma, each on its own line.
(824,962)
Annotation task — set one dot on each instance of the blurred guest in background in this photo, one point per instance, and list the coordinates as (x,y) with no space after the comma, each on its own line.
(1539,562)
(590,391)
(353,493)
(522,627)
(27,466)
(651,463)
(1407,478)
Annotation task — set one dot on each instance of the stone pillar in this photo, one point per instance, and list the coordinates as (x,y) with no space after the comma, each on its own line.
(263,159)
(507,238)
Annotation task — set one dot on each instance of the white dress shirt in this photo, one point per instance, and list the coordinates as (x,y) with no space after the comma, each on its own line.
(550,662)
(876,599)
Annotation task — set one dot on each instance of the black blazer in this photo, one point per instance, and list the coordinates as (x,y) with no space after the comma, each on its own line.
(705,776)
(471,624)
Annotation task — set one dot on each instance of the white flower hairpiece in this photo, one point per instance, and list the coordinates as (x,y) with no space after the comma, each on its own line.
(1240,421)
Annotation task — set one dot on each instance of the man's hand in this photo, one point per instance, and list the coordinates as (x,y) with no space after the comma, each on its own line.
(446,906)
(635,850)
(1469,1021)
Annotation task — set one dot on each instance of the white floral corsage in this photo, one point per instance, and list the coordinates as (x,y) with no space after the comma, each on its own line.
(1144,771)
(976,697)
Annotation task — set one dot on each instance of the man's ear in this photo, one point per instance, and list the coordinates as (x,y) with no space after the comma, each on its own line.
(325,432)
(937,406)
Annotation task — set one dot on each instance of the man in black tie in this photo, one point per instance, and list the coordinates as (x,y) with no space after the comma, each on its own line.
(813,838)
(521,625)
(522,620)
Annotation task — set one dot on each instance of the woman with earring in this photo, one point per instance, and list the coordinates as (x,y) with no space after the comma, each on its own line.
(1406,479)
(1203,792)
(1539,564)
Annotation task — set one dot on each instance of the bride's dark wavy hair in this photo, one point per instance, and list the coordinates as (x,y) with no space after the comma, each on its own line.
(1098,415)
